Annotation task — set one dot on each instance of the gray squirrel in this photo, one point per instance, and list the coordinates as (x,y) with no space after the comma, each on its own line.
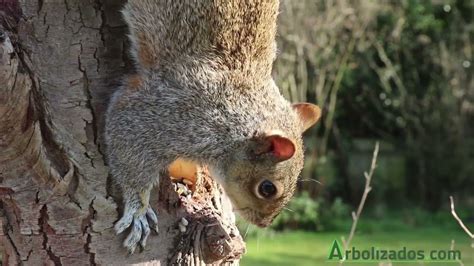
(203,91)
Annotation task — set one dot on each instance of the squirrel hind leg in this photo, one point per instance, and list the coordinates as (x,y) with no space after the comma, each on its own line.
(139,216)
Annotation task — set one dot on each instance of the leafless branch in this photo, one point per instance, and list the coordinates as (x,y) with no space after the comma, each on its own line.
(367,189)
(460,222)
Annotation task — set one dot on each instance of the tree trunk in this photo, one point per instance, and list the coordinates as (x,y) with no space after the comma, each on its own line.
(59,63)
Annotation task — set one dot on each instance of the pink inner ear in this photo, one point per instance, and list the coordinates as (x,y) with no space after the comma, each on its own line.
(282,148)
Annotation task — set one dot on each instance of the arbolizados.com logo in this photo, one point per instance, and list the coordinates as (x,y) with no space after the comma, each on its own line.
(375,254)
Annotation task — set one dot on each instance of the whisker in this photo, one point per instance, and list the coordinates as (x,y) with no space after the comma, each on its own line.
(247,230)
(312,180)
(288,209)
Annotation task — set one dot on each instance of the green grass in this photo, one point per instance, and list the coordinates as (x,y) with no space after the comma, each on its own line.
(311,248)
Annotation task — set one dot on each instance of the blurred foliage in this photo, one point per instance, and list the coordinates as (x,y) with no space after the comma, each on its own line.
(399,71)
(300,213)
(308,214)
(335,216)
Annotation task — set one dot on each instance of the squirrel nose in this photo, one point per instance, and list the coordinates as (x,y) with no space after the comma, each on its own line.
(265,222)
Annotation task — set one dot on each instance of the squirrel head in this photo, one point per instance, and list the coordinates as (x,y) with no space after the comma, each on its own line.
(260,176)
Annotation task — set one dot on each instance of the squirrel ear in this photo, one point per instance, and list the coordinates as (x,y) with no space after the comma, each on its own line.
(309,114)
(280,147)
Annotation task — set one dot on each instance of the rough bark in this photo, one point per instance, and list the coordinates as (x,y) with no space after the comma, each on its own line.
(59,63)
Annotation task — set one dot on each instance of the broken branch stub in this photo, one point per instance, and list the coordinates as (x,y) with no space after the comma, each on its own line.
(209,234)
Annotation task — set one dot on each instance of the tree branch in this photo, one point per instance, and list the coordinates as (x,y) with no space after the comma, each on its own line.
(460,222)
(367,189)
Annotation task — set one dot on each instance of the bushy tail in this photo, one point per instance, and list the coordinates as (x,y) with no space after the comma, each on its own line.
(233,32)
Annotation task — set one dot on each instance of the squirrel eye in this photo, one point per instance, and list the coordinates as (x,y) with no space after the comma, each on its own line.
(267,189)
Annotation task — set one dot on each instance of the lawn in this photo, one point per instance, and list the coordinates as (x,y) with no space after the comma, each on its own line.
(312,248)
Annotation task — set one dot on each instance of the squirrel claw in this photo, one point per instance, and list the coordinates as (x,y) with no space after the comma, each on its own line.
(150,214)
(140,228)
(123,223)
(134,236)
(146,231)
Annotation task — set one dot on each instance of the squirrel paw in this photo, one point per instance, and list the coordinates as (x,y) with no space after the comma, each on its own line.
(140,228)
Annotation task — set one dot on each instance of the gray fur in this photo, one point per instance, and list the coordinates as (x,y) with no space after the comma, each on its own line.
(203,93)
